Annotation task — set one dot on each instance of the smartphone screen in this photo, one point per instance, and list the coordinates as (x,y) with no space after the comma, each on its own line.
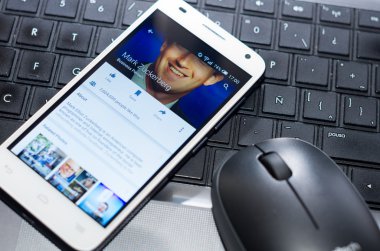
(102,142)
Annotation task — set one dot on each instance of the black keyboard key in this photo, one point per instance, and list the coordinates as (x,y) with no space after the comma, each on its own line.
(320,105)
(12,98)
(277,64)
(377,79)
(223,134)
(360,111)
(224,20)
(71,66)
(265,6)
(256,30)
(295,35)
(62,8)
(7,128)
(369,18)
(249,103)
(297,130)
(34,31)
(106,37)
(6,26)
(23,5)
(368,45)
(36,66)
(351,145)
(194,167)
(334,41)
(220,158)
(352,76)
(74,37)
(7,56)
(231,4)
(312,70)
(133,10)
(367,181)
(254,130)
(335,14)
(279,100)
(297,9)
(101,11)
(41,97)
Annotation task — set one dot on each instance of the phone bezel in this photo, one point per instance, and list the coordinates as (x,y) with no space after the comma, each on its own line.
(30,199)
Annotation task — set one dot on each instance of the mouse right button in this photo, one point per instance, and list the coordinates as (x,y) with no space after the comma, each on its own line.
(276,166)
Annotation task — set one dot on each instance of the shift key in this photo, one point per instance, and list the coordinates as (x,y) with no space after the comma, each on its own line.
(351,145)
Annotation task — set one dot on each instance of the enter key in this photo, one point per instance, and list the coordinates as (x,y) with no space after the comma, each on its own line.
(351,145)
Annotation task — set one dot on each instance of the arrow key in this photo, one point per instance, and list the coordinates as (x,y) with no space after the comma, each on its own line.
(367,181)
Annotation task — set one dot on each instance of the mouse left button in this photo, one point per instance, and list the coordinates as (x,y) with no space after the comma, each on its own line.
(276,166)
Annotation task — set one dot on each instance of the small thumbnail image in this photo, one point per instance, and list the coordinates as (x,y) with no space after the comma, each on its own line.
(65,175)
(86,180)
(74,191)
(102,204)
(41,155)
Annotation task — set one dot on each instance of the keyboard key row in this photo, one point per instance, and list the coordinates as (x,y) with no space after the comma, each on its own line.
(319,105)
(103,11)
(300,36)
(316,71)
(72,37)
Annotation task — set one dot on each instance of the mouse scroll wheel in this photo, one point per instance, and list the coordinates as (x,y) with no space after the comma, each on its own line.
(276,166)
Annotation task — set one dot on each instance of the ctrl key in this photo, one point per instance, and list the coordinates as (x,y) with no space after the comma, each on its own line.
(367,181)
(12,98)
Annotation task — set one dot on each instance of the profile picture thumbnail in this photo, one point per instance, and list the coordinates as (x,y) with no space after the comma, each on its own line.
(41,155)
(102,204)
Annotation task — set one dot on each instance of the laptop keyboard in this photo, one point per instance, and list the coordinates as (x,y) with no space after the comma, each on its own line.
(322,82)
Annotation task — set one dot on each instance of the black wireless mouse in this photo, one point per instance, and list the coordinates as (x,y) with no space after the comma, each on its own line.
(285,194)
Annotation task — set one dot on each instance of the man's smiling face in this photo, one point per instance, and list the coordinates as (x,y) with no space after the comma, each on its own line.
(181,69)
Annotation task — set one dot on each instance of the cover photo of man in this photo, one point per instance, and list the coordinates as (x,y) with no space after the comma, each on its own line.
(176,68)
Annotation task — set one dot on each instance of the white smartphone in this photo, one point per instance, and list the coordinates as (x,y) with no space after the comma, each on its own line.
(87,161)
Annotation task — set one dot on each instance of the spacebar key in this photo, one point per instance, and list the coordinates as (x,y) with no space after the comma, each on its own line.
(351,145)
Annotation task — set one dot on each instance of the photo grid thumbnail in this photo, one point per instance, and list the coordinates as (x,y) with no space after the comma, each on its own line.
(72,180)
(41,155)
(102,204)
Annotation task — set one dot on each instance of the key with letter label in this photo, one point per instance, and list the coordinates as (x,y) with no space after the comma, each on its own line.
(35,32)
(12,98)
(74,37)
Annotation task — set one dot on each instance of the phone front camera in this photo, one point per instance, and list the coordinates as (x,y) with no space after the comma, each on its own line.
(247,56)
(182,9)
